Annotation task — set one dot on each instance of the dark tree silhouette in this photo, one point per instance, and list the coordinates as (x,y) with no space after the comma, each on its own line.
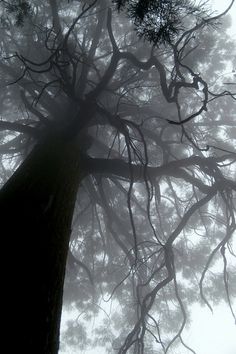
(120,161)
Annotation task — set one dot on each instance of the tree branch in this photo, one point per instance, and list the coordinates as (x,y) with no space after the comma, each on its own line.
(17,127)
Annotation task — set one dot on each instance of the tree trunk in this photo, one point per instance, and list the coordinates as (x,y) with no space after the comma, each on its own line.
(36,209)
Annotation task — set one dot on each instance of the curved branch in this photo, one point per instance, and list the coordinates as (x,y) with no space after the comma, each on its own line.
(204,23)
(212,192)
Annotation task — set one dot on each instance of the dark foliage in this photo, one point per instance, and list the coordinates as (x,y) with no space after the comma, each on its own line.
(160,21)
(19,9)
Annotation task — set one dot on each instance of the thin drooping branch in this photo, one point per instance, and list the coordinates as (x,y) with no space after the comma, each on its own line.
(230,230)
(212,192)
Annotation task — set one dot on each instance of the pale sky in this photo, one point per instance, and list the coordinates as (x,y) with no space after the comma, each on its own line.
(212,333)
(220,6)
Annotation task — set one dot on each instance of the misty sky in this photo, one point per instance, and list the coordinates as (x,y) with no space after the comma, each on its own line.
(126,198)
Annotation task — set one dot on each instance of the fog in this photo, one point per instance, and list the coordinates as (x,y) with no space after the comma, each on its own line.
(117,167)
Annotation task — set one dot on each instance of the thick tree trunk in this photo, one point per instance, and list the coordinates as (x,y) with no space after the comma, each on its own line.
(36,209)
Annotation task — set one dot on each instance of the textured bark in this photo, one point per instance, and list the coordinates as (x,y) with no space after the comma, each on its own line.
(36,209)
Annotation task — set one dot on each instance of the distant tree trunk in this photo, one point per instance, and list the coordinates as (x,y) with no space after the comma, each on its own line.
(36,209)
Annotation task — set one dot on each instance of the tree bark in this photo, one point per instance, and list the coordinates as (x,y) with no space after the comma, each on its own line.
(36,209)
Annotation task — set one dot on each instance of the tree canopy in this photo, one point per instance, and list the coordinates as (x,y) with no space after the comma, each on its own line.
(161,21)
(154,216)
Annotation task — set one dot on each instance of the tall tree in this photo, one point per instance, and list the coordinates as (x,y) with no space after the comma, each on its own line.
(96,120)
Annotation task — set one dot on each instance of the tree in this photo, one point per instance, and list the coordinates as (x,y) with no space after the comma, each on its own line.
(88,108)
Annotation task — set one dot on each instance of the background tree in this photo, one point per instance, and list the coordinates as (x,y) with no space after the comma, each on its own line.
(88,107)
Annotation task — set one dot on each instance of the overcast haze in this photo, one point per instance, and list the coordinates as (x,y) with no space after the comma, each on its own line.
(118,176)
